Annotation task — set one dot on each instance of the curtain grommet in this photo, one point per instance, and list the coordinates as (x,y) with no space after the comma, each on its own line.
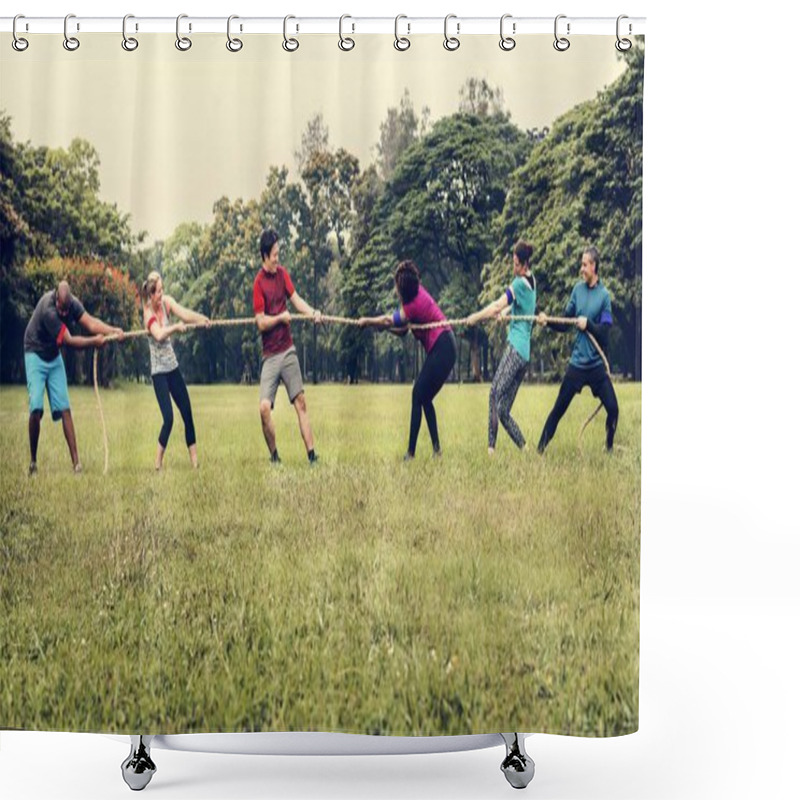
(183,43)
(401,43)
(19,43)
(507,43)
(233,44)
(289,44)
(451,43)
(560,43)
(71,43)
(129,43)
(346,43)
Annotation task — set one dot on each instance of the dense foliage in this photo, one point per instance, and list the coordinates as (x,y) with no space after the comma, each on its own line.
(453,195)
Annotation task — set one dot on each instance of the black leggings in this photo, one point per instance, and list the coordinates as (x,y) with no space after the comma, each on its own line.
(430,380)
(172,383)
(598,381)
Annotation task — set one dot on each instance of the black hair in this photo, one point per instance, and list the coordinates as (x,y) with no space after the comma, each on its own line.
(406,278)
(268,239)
(523,251)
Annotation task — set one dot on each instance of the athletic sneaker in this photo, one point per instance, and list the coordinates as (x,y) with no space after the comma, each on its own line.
(408,457)
(77,469)
(33,469)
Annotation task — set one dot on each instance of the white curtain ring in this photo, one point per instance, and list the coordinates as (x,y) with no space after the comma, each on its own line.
(345,42)
(183,43)
(561,44)
(17,42)
(234,45)
(401,43)
(71,43)
(129,43)
(507,43)
(289,44)
(451,43)
(622,44)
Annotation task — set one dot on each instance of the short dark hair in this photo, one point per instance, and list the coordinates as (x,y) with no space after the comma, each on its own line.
(268,239)
(593,253)
(523,251)
(406,278)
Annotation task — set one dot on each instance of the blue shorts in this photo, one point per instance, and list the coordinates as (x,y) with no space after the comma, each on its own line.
(49,375)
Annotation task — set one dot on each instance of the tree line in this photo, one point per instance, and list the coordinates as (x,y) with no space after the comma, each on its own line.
(453,195)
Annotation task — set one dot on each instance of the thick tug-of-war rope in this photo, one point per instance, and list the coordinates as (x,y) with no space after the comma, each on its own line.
(327,318)
(100,409)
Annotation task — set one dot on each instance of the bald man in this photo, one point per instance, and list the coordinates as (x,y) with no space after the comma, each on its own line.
(46,333)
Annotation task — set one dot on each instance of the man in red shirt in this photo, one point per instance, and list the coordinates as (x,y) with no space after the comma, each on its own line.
(279,362)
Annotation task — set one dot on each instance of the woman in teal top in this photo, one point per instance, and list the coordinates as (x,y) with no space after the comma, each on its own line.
(519,299)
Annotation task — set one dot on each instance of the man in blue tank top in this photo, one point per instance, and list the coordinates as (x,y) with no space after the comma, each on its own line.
(591,305)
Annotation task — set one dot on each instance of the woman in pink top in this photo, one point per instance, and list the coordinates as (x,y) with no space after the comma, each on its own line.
(417,306)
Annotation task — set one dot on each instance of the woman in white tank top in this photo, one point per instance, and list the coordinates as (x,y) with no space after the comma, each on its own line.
(164,370)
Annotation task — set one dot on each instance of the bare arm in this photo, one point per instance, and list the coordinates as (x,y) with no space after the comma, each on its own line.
(386,322)
(492,310)
(161,332)
(304,308)
(96,326)
(383,322)
(187,315)
(83,342)
(266,322)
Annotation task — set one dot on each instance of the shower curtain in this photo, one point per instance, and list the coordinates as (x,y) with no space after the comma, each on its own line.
(322,327)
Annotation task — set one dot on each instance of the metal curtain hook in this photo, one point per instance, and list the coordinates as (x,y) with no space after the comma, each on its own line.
(345,42)
(401,42)
(129,43)
(507,42)
(561,44)
(289,44)
(18,43)
(233,44)
(71,43)
(451,43)
(623,44)
(183,43)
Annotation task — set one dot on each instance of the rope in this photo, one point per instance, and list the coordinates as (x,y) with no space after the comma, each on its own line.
(100,409)
(336,320)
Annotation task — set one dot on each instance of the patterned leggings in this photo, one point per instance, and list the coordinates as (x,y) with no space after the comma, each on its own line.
(505,385)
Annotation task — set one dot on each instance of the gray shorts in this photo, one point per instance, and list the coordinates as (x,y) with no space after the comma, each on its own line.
(281,367)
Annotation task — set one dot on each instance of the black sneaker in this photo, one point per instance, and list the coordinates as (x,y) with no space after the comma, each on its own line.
(274,458)
(313,459)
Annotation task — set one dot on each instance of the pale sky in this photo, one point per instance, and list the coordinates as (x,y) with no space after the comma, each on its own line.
(176,131)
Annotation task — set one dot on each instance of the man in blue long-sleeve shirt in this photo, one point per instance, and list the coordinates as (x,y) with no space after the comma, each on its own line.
(591,305)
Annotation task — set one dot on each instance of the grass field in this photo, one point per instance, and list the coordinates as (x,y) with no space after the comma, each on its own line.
(367,595)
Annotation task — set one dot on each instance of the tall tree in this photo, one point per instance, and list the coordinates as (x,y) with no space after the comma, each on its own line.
(229,255)
(314,139)
(401,128)
(50,206)
(480,98)
(583,185)
(439,206)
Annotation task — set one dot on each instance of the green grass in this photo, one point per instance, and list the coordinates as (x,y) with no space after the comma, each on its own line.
(366,595)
